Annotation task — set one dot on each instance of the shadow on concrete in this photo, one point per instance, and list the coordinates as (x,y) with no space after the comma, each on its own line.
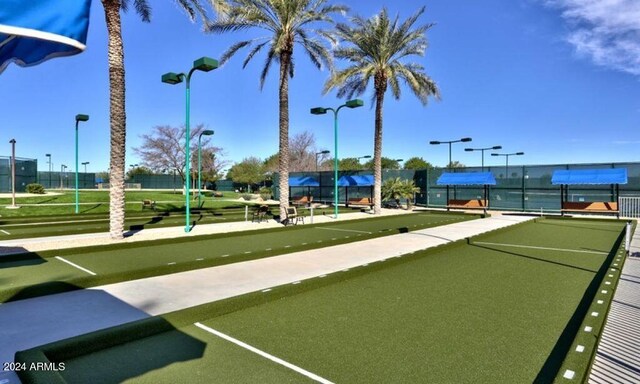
(92,332)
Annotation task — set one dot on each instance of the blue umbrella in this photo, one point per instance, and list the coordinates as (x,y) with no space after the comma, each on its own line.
(37,30)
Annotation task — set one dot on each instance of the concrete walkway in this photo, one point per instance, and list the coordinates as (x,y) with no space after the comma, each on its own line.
(33,322)
(618,355)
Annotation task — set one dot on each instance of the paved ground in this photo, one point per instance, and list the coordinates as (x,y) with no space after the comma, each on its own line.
(618,355)
(33,322)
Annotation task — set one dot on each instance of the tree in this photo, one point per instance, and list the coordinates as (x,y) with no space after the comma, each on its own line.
(140,170)
(163,149)
(349,164)
(416,163)
(455,164)
(288,22)
(117,115)
(302,154)
(397,189)
(375,48)
(385,162)
(249,171)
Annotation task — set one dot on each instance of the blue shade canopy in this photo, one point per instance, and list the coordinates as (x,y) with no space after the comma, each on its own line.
(32,31)
(469,178)
(356,181)
(303,181)
(590,176)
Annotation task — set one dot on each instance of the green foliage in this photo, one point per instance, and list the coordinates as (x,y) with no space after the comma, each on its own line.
(35,188)
(396,189)
(349,164)
(456,164)
(265,193)
(249,171)
(416,163)
(386,162)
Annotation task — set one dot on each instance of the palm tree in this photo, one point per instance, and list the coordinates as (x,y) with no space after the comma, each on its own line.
(287,22)
(117,115)
(375,50)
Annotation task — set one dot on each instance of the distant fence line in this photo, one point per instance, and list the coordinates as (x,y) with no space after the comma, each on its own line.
(518,188)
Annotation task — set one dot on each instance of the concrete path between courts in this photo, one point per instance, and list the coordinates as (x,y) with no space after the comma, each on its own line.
(32,322)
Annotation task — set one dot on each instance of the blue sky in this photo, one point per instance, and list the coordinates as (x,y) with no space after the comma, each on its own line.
(556,79)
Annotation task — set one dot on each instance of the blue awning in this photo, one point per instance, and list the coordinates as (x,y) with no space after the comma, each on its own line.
(590,176)
(469,178)
(356,181)
(37,30)
(303,181)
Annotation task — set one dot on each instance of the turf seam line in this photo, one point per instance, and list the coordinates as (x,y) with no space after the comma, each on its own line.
(542,248)
(76,265)
(5,232)
(255,350)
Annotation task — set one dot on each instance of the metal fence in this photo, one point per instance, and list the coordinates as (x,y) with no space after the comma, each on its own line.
(66,180)
(629,206)
(518,188)
(26,173)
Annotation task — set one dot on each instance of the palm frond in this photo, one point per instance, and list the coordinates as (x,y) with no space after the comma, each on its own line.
(267,66)
(255,50)
(232,50)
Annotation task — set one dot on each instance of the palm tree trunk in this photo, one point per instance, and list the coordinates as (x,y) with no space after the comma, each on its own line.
(117,117)
(377,152)
(283,163)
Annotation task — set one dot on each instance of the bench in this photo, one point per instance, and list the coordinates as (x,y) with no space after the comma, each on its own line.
(360,201)
(590,207)
(468,204)
(303,201)
(149,204)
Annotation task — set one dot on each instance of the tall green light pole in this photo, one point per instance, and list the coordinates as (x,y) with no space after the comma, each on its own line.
(355,103)
(79,118)
(463,140)
(204,64)
(207,132)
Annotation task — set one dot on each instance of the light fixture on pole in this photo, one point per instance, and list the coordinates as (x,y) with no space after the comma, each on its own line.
(207,132)
(325,152)
(506,155)
(62,168)
(355,103)
(204,64)
(13,173)
(463,140)
(85,166)
(496,147)
(79,118)
(48,155)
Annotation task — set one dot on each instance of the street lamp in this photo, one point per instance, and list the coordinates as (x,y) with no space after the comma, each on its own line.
(85,166)
(506,155)
(48,155)
(204,64)
(62,168)
(483,149)
(463,140)
(207,132)
(13,173)
(79,118)
(320,153)
(355,103)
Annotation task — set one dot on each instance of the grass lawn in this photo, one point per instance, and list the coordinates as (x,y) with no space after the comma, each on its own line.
(504,308)
(96,202)
(32,274)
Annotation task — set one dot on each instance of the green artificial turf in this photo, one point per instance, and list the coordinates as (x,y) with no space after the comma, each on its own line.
(20,274)
(461,313)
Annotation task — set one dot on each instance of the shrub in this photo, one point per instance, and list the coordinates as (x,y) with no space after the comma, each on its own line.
(246,196)
(35,188)
(265,193)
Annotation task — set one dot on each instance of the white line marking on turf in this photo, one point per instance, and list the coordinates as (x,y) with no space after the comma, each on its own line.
(75,265)
(569,374)
(588,329)
(255,350)
(5,232)
(543,248)
(343,230)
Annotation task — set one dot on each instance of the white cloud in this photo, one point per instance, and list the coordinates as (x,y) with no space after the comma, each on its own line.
(607,31)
